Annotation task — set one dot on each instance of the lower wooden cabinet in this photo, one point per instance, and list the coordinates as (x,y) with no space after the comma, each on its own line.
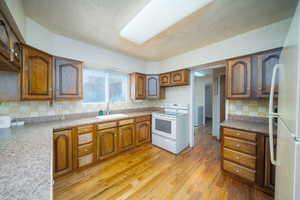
(62,155)
(106,143)
(126,137)
(269,169)
(143,132)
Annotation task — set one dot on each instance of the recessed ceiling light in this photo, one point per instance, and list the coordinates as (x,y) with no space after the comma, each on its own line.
(199,74)
(157,16)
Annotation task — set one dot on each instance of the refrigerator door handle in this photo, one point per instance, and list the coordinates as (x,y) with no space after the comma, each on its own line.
(272,115)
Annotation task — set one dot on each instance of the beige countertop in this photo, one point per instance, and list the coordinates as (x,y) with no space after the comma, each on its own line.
(257,127)
(26,157)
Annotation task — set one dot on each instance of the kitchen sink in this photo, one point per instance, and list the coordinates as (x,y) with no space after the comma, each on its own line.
(112,116)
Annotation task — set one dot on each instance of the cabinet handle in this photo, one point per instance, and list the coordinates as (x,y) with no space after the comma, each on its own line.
(86,150)
(237,171)
(237,145)
(237,157)
(238,134)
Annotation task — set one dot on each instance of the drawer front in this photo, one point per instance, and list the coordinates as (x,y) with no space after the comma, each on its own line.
(239,170)
(85,149)
(106,125)
(240,145)
(241,158)
(144,118)
(126,121)
(85,129)
(85,160)
(240,134)
(85,138)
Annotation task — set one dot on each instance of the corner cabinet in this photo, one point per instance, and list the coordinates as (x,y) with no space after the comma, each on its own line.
(138,86)
(62,152)
(36,74)
(152,87)
(265,65)
(107,143)
(68,78)
(239,78)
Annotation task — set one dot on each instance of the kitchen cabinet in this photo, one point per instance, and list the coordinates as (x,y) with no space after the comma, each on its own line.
(62,152)
(152,87)
(137,86)
(36,74)
(239,78)
(165,79)
(180,77)
(143,132)
(106,143)
(265,63)
(269,168)
(68,78)
(126,137)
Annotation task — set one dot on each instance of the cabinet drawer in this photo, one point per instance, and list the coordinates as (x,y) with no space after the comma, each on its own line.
(239,170)
(85,160)
(126,121)
(85,138)
(240,134)
(241,158)
(84,129)
(240,145)
(144,118)
(106,125)
(85,149)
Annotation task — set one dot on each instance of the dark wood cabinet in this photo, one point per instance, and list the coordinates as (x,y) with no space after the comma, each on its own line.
(68,78)
(143,132)
(269,168)
(239,78)
(126,137)
(152,87)
(180,77)
(62,152)
(138,86)
(265,63)
(106,143)
(165,79)
(36,74)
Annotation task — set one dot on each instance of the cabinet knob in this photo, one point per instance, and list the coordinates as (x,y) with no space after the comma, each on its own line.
(237,157)
(238,134)
(86,150)
(237,145)
(237,171)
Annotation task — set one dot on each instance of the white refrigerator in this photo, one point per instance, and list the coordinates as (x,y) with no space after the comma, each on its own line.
(287,157)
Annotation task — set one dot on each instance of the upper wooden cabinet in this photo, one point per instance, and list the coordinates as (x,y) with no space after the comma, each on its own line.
(36,74)
(106,143)
(239,78)
(152,87)
(165,79)
(265,64)
(180,77)
(68,78)
(138,86)
(62,152)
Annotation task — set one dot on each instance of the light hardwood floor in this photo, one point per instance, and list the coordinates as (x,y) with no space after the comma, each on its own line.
(148,172)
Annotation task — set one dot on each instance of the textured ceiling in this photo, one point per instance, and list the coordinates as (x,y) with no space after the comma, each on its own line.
(99,22)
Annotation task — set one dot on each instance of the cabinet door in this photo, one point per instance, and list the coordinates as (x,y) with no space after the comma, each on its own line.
(62,155)
(165,79)
(126,137)
(180,77)
(4,38)
(269,180)
(265,64)
(36,75)
(68,79)
(152,87)
(106,143)
(143,132)
(239,78)
(137,86)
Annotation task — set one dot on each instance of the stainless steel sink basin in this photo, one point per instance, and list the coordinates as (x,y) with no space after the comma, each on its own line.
(112,116)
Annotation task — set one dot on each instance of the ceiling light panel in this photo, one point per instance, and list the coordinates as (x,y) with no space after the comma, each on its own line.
(157,16)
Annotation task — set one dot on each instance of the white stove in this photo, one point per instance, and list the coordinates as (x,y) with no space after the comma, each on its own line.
(170,128)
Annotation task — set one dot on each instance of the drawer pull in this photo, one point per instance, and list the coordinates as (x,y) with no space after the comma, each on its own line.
(237,171)
(238,134)
(237,145)
(237,157)
(86,150)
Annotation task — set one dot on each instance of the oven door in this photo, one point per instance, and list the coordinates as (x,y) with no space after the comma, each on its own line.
(164,126)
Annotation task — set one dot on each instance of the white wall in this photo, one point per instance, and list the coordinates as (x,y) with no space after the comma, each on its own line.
(17,10)
(40,37)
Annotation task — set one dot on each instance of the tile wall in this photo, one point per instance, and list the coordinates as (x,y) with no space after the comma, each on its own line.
(253,108)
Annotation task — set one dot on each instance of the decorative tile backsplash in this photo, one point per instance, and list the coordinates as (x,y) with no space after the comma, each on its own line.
(43,108)
(254,108)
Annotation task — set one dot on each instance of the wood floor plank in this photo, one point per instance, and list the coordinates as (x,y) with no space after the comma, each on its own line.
(151,173)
